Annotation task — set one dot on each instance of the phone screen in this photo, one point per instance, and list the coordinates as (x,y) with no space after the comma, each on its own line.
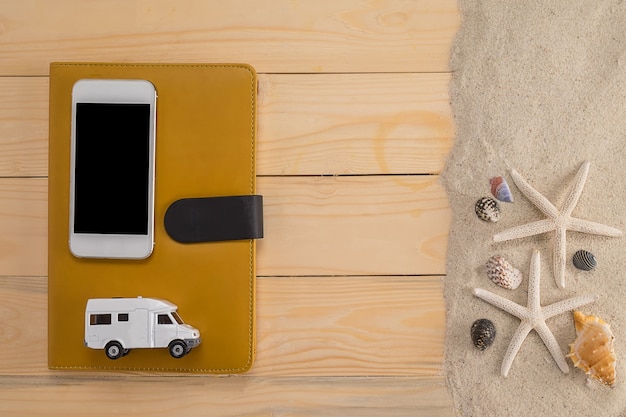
(112,168)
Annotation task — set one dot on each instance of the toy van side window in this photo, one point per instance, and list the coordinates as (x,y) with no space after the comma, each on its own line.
(122,317)
(164,319)
(98,319)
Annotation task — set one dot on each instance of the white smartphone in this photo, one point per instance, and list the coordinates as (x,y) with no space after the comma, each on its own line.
(112,169)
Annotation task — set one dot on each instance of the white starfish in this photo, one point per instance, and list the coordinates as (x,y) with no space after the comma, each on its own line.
(559,222)
(533,316)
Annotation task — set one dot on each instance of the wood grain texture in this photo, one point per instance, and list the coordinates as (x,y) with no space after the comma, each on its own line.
(383,225)
(274,36)
(307,326)
(24,225)
(350,326)
(368,225)
(23,126)
(353,107)
(308,124)
(353,124)
(239,396)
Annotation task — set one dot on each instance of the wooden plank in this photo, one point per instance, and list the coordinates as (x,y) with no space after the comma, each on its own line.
(353,124)
(24,225)
(224,396)
(24,126)
(350,326)
(308,124)
(24,331)
(306,326)
(273,35)
(367,225)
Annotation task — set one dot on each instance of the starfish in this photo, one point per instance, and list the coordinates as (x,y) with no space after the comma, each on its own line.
(557,221)
(533,316)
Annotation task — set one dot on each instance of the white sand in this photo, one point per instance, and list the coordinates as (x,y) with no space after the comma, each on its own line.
(539,86)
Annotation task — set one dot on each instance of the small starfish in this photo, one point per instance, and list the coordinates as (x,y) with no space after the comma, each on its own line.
(559,222)
(533,316)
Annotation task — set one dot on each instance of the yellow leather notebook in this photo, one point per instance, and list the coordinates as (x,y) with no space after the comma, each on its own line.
(205,147)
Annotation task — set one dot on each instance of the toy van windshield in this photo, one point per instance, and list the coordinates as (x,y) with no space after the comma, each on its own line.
(118,325)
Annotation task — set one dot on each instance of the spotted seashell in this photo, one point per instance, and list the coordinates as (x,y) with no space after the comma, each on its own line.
(487,209)
(500,189)
(592,351)
(483,333)
(584,260)
(502,273)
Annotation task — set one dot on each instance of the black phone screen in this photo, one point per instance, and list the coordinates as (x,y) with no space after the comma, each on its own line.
(112,168)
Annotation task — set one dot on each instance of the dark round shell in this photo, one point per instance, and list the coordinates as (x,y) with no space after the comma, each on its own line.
(584,260)
(483,333)
(487,209)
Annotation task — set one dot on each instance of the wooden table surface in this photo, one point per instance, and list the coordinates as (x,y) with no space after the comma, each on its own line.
(354,126)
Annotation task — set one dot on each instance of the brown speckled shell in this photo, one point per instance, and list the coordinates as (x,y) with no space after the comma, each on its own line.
(502,273)
(592,351)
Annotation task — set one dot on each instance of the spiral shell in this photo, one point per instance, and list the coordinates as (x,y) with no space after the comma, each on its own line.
(500,189)
(592,351)
(487,209)
(483,333)
(584,260)
(503,273)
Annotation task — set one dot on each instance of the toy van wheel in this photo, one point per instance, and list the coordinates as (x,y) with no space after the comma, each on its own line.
(114,350)
(178,349)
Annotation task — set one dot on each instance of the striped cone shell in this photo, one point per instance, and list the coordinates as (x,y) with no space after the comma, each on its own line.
(584,260)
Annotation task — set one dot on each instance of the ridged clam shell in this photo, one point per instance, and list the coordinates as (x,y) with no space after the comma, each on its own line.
(502,273)
(584,260)
(592,351)
(487,209)
(483,333)
(500,189)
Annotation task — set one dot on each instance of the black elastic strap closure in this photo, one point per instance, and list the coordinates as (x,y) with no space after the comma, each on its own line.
(212,219)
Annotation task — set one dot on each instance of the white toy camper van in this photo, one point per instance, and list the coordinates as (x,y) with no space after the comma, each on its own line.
(120,324)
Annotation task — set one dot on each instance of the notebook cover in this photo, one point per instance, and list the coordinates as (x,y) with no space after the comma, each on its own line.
(205,147)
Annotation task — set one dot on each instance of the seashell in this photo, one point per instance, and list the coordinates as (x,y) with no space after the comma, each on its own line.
(483,333)
(502,273)
(584,260)
(592,351)
(500,189)
(487,209)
